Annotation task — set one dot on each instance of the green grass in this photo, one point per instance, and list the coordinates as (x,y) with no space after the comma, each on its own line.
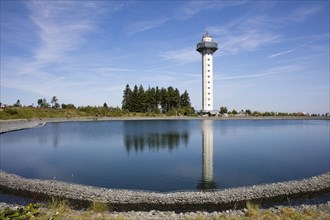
(252,209)
(61,209)
(27,212)
(30,113)
(99,206)
(88,111)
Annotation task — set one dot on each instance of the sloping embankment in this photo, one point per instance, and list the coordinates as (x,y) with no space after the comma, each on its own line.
(122,200)
(15,125)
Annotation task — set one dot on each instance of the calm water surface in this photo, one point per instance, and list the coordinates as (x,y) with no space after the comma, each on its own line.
(169,155)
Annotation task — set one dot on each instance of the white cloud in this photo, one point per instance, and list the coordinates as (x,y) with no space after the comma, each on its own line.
(245,33)
(303,13)
(271,71)
(191,8)
(250,32)
(185,55)
(265,21)
(141,26)
(247,41)
(111,70)
(281,53)
(292,49)
(61,28)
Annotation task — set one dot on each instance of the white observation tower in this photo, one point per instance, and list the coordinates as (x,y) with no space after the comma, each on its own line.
(207,47)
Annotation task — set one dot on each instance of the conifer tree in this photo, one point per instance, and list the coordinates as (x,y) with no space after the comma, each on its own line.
(176,98)
(126,105)
(140,100)
(163,100)
(185,100)
(134,100)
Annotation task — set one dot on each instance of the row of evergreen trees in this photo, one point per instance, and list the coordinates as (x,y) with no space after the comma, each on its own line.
(156,100)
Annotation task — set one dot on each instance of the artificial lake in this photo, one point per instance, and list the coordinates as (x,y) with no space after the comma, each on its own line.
(169,155)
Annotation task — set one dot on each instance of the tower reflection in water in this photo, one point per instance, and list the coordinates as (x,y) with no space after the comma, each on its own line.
(207,183)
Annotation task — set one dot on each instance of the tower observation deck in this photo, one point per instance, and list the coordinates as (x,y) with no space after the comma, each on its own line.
(206,48)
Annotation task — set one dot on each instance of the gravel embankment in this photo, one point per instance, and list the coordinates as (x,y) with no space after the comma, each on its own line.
(19,124)
(121,200)
(14,125)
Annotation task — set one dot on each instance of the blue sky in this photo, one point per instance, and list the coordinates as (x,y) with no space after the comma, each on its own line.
(273,55)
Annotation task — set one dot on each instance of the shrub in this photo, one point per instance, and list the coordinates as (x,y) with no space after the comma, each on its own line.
(11,111)
(26,212)
(99,206)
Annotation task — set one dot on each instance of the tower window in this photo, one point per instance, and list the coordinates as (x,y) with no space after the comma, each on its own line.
(208,104)
(208,76)
(208,64)
(208,93)
(208,87)
(208,59)
(208,70)
(208,99)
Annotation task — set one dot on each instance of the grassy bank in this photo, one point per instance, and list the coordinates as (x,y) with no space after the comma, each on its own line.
(29,113)
(63,210)
(99,112)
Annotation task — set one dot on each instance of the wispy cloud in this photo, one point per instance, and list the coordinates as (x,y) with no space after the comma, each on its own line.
(303,13)
(266,21)
(247,40)
(192,8)
(61,27)
(281,53)
(185,55)
(54,68)
(250,32)
(272,71)
(240,35)
(113,69)
(141,26)
(290,50)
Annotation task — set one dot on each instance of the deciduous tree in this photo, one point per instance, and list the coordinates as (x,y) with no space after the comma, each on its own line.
(18,103)
(223,110)
(42,103)
(54,102)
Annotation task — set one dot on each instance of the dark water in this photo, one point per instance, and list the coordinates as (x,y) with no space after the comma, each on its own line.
(169,155)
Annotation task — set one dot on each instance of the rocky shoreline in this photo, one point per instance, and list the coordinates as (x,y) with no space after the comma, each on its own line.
(125,200)
(15,125)
(20,124)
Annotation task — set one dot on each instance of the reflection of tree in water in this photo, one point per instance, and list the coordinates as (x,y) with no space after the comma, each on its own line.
(156,141)
(155,135)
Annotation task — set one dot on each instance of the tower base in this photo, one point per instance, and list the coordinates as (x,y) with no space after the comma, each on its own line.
(208,113)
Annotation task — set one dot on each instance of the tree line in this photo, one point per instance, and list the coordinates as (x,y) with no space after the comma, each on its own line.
(152,101)
(43,103)
(224,110)
(156,100)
